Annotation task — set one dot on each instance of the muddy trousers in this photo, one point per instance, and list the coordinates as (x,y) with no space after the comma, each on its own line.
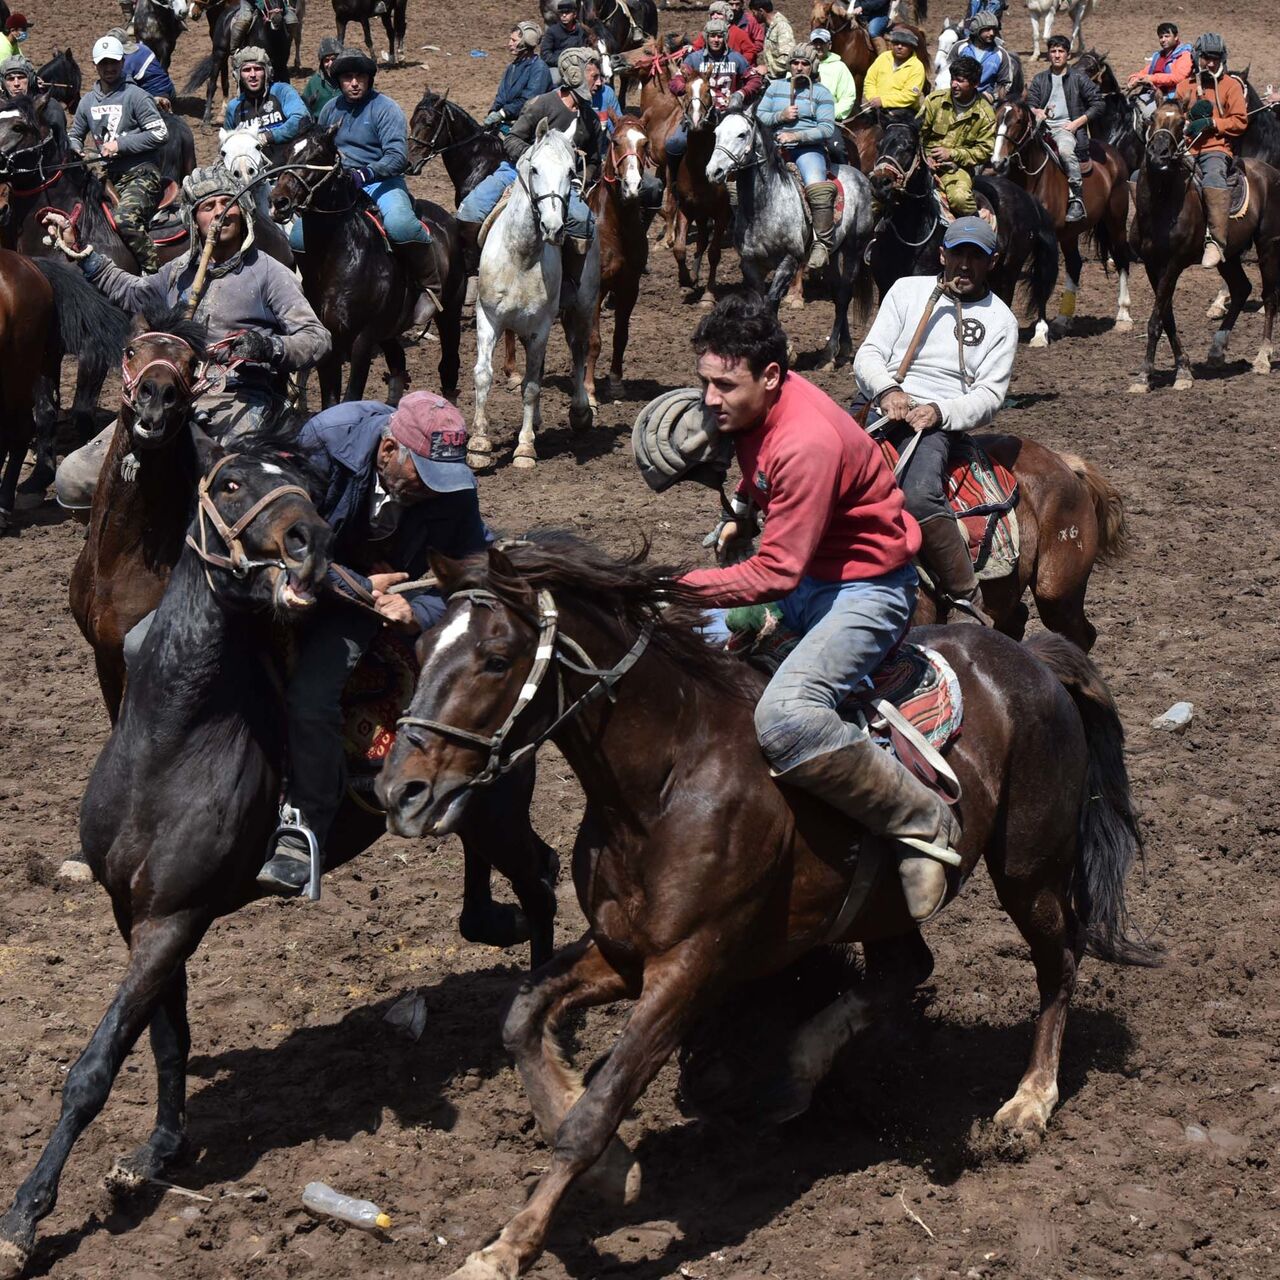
(140,190)
(957,186)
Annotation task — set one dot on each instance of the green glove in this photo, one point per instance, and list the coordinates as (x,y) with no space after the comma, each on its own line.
(1201,124)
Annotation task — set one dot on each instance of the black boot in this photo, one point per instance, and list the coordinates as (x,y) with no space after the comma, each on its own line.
(946,553)
(469,247)
(419,262)
(288,870)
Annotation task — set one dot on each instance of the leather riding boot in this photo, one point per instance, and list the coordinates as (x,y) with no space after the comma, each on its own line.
(946,554)
(469,243)
(419,262)
(869,785)
(822,208)
(1075,201)
(573,257)
(287,871)
(1217,213)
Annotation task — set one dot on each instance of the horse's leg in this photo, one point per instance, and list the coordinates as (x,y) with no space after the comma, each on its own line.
(1162,286)
(1035,34)
(653,1031)
(593,351)
(680,247)
(535,356)
(158,949)
(329,375)
(1237,284)
(624,304)
(787,283)
(9,479)
(397,370)
(841,284)
(718,229)
(479,449)
(368,35)
(170,1046)
(361,357)
(509,370)
(391,37)
(449,329)
(1218,307)
(1074,265)
(577,331)
(1269,265)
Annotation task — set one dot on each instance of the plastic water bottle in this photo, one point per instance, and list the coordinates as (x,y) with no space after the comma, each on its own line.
(320,1199)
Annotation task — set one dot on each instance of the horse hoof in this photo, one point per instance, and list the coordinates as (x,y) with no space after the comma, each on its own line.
(1026,1113)
(1038,342)
(1262,365)
(1184,381)
(124,1178)
(6,519)
(1123,326)
(792,303)
(478,1267)
(580,418)
(706,302)
(16,1242)
(497,924)
(525,461)
(514,380)
(1216,358)
(615,1177)
(1139,387)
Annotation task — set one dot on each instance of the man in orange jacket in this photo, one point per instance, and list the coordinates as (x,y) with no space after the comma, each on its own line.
(1217,115)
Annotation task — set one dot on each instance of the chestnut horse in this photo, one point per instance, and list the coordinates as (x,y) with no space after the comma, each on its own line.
(1168,235)
(695,869)
(624,242)
(1024,155)
(1069,518)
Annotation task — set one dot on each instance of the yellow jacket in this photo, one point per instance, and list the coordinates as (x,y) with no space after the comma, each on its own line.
(895,86)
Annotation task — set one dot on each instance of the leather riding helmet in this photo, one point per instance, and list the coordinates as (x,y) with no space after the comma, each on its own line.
(572,65)
(252,55)
(675,438)
(984,21)
(530,34)
(804,50)
(1211,42)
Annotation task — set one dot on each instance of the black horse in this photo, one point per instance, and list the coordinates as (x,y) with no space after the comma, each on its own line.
(1121,125)
(439,127)
(357,287)
(267,31)
(909,235)
(61,76)
(1261,140)
(158,27)
(183,798)
(394,22)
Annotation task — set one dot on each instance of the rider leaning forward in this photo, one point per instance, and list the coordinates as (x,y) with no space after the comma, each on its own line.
(246,293)
(129,131)
(956,381)
(803,113)
(836,552)
(1217,117)
(958,135)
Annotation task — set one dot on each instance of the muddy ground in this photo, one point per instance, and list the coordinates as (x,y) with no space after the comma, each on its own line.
(1159,1160)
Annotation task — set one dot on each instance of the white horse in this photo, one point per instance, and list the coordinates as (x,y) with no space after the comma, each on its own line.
(1046,9)
(522,288)
(948,38)
(242,156)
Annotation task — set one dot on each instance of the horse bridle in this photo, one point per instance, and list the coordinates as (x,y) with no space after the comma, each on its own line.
(131,379)
(1016,149)
(616,158)
(747,159)
(236,562)
(888,167)
(548,651)
(327,172)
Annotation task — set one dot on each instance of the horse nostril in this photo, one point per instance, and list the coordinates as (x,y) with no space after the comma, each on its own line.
(297,541)
(170,397)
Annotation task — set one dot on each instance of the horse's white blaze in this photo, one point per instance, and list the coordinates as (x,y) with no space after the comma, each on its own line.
(299,146)
(270,468)
(695,103)
(632,141)
(453,631)
(1002,136)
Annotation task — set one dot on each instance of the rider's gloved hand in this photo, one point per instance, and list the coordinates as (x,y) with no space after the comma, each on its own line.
(255,347)
(494,117)
(362,177)
(733,536)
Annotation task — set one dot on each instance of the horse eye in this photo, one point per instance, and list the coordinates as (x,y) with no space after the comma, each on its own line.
(128,353)
(497,664)
(232,486)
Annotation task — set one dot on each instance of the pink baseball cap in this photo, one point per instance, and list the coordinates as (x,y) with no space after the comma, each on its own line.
(435,433)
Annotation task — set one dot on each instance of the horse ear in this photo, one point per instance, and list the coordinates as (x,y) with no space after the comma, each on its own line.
(208,450)
(139,325)
(500,563)
(446,571)
(332,131)
(570,131)
(541,131)
(223,135)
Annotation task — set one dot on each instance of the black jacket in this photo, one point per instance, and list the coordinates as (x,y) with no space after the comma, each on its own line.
(588,136)
(556,39)
(1084,98)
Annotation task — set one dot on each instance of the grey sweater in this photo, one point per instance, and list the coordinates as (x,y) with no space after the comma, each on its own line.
(255,293)
(127,116)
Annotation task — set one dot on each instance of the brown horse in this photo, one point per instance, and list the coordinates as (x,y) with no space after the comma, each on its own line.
(1069,518)
(624,242)
(1024,155)
(1168,235)
(29,357)
(696,871)
(692,199)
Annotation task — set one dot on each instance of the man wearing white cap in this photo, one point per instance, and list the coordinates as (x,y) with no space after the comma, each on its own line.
(129,130)
(833,73)
(956,381)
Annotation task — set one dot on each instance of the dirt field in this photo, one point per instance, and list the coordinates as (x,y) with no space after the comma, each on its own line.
(1159,1160)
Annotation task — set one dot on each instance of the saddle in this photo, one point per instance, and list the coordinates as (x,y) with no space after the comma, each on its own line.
(166,226)
(984,496)
(986,210)
(487,225)
(172,194)
(1049,138)
(375,217)
(912,705)
(804,202)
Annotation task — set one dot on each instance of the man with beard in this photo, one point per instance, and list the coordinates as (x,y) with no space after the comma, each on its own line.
(394,486)
(955,382)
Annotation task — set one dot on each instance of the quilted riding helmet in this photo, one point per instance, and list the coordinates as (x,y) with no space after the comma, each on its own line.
(984,21)
(806,52)
(716,26)
(253,55)
(675,438)
(199,185)
(530,34)
(572,65)
(1212,43)
(15,64)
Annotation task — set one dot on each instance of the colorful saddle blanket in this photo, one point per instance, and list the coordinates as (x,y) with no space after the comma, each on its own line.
(375,697)
(984,495)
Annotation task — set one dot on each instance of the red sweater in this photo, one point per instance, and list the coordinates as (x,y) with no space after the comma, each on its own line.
(835,511)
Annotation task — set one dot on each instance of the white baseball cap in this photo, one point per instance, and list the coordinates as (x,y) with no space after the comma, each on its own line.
(108,49)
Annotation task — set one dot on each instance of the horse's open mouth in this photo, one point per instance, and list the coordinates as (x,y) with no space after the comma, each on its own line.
(291,593)
(148,437)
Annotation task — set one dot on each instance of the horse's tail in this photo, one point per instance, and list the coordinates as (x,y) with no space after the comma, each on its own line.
(1108,507)
(88,327)
(1109,835)
(202,74)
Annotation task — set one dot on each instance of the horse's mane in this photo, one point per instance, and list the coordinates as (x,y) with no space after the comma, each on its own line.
(175,320)
(627,590)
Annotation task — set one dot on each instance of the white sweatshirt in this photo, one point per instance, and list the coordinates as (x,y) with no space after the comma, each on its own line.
(990,342)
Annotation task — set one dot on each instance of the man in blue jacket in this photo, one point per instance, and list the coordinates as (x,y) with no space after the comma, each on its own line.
(276,111)
(143,68)
(984,47)
(395,486)
(525,78)
(373,140)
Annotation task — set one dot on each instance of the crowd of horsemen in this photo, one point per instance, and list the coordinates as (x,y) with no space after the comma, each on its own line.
(842,535)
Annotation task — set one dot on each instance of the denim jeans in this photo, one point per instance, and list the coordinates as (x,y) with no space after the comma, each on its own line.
(1213,169)
(811,160)
(394,202)
(484,198)
(677,142)
(878,26)
(846,629)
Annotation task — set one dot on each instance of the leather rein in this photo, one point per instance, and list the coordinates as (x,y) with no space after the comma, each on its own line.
(131,379)
(550,645)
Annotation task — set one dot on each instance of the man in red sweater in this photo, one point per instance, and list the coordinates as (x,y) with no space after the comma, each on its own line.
(836,551)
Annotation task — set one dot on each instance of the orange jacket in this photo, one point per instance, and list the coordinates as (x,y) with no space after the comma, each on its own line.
(1230,113)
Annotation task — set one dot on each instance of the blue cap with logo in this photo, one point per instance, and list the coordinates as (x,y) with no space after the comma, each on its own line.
(974,231)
